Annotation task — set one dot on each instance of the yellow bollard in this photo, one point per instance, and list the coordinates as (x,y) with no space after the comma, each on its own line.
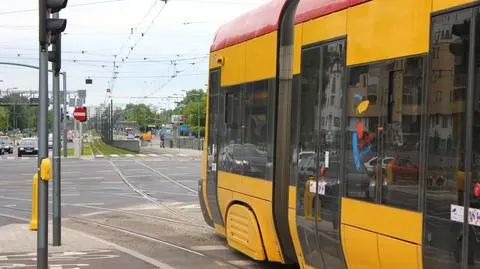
(34,220)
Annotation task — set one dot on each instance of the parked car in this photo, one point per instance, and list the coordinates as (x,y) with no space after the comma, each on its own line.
(28,146)
(372,163)
(7,144)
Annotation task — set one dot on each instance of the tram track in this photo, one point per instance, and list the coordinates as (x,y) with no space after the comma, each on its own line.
(127,232)
(106,210)
(153,200)
(154,239)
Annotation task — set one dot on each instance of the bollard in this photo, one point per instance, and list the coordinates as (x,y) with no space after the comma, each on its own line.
(34,220)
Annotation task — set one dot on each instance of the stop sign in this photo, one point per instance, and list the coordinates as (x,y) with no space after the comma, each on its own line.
(80,113)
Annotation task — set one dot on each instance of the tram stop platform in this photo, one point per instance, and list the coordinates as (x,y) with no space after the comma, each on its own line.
(18,249)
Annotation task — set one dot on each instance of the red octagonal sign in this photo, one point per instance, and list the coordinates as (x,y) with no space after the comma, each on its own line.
(80,113)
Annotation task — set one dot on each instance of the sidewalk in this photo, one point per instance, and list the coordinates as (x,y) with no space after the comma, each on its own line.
(18,247)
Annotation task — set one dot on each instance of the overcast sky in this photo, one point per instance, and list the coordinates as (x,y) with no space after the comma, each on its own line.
(180,32)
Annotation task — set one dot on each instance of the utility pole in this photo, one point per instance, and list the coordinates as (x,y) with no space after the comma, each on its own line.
(48,27)
(55,58)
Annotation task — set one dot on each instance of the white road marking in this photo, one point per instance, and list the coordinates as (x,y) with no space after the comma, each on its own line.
(241,262)
(87,178)
(129,155)
(153,155)
(114,155)
(88,204)
(95,213)
(168,155)
(105,171)
(10,205)
(99,156)
(136,176)
(128,251)
(209,247)
(189,206)
(111,182)
(141,155)
(180,174)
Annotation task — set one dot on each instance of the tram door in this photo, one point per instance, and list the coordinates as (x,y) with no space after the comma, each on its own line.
(214,120)
(453,143)
(319,112)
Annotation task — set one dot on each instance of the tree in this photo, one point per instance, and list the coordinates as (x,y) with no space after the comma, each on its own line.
(4,118)
(140,113)
(189,107)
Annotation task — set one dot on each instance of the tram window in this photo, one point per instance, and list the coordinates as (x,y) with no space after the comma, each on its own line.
(446,142)
(383,132)
(255,129)
(231,155)
(402,135)
(361,134)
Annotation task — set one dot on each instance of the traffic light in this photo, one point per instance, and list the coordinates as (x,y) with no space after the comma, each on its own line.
(460,46)
(50,27)
(55,56)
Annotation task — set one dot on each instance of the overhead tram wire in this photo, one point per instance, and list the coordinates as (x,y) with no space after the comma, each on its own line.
(134,46)
(69,6)
(135,28)
(170,80)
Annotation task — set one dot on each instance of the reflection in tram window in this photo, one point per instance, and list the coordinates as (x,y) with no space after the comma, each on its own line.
(255,130)
(446,133)
(402,135)
(384,105)
(230,154)
(363,114)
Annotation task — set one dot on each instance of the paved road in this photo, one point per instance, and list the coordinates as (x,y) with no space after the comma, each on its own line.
(146,204)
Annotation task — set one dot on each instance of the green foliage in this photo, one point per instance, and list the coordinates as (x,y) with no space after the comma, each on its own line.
(193,106)
(140,113)
(189,107)
(4,117)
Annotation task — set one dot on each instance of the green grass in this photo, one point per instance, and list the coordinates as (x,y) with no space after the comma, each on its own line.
(94,133)
(87,150)
(101,148)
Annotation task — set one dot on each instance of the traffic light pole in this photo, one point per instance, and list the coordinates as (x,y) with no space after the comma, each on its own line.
(65,131)
(57,228)
(42,234)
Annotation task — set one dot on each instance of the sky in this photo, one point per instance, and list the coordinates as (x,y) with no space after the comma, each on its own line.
(152,41)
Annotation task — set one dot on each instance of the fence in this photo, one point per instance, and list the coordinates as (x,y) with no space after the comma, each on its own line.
(184,143)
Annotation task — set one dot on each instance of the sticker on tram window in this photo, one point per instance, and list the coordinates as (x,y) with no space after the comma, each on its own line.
(456,214)
(214,167)
(321,187)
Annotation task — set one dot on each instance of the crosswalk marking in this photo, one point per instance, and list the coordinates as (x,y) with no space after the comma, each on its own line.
(129,155)
(114,155)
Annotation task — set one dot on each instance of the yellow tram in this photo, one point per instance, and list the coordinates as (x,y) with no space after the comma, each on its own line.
(344,134)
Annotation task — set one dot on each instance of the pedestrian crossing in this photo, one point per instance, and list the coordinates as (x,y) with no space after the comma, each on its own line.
(111,156)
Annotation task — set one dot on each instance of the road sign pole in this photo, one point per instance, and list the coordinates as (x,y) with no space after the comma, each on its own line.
(65,131)
(42,234)
(57,235)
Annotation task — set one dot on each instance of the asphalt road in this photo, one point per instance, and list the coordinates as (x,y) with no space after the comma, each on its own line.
(148,205)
